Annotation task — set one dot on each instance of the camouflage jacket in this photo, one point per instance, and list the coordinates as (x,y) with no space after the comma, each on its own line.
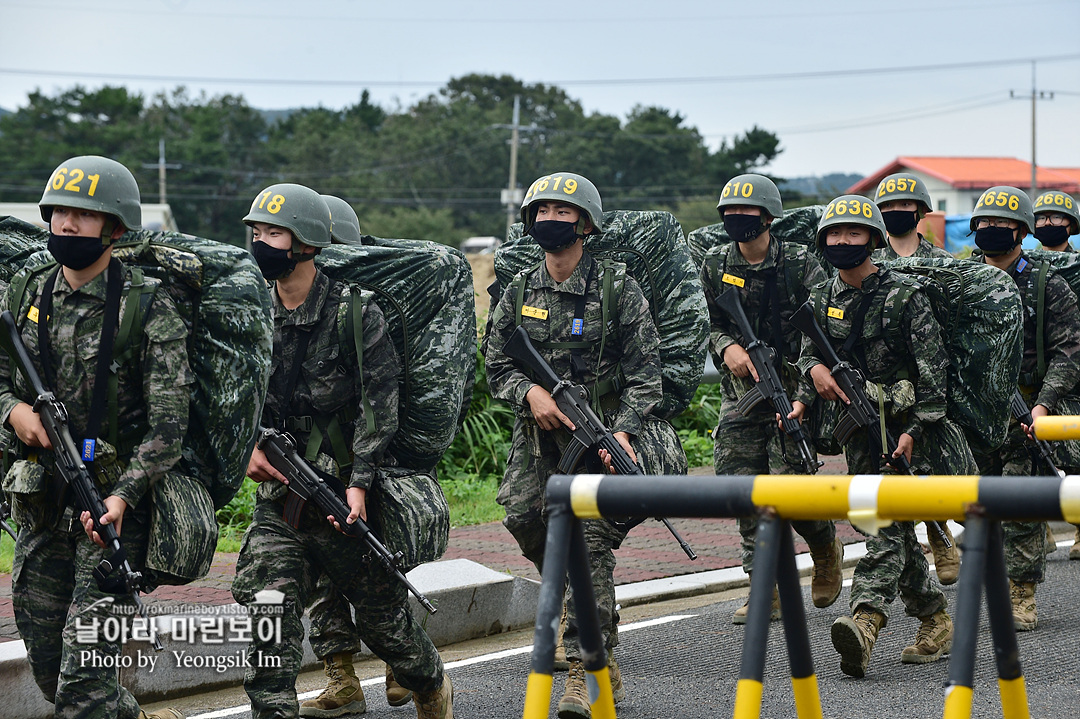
(327,385)
(1061,335)
(908,360)
(153,392)
(632,345)
(796,271)
(925,249)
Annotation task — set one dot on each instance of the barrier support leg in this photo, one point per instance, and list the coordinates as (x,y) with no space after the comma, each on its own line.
(593,653)
(958,688)
(549,610)
(756,636)
(803,679)
(1014,703)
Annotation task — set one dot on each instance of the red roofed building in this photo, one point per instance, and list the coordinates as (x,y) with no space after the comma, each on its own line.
(955,183)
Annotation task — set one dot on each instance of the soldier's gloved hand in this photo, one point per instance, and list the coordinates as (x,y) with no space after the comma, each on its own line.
(544,410)
(738,361)
(260,469)
(114,514)
(356,497)
(825,384)
(27,425)
(904,445)
(1036,411)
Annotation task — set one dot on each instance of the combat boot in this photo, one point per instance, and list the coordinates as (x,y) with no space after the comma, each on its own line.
(438,704)
(1025,615)
(854,638)
(946,559)
(1074,550)
(575,699)
(932,641)
(1051,540)
(342,695)
(561,664)
(396,695)
(618,692)
(828,573)
(163,714)
(739,617)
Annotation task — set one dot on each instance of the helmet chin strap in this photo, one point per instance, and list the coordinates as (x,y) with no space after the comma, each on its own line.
(108,228)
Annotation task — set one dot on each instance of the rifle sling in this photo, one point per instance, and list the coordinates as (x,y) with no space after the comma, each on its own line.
(293,375)
(853,347)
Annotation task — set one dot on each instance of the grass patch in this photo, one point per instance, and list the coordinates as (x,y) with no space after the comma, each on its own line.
(7,553)
(471,502)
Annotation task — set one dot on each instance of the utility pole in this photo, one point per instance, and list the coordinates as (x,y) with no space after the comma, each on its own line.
(161,166)
(1034,96)
(512,195)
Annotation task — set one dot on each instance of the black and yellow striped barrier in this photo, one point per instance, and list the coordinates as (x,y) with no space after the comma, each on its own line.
(868,501)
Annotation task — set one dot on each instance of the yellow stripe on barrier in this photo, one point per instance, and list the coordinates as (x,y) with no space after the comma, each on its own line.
(1014,703)
(748,699)
(803,496)
(905,498)
(1051,428)
(958,702)
(807,698)
(538,696)
(583,495)
(603,707)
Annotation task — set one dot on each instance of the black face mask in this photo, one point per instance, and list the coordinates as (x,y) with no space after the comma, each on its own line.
(900,222)
(846,257)
(995,240)
(273,262)
(743,228)
(1052,236)
(74,252)
(553,235)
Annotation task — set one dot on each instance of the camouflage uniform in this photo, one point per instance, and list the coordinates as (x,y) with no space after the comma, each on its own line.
(755,445)
(1025,542)
(632,345)
(274,555)
(51,573)
(915,405)
(925,249)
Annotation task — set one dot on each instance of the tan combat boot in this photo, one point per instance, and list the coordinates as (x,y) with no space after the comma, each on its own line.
(163,714)
(396,695)
(932,641)
(1025,615)
(854,638)
(828,573)
(1051,540)
(561,665)
(438,704)
(575,699)
(342,695)
(618,692)
(1074,550)
(739,617)
(946,559)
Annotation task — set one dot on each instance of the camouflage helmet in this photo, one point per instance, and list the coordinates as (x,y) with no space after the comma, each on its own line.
(92,182)
(852,210)
(1058,201)
(298,209)
(1007,202)
(752,190)
(344,224)
(904,186)
(570,189)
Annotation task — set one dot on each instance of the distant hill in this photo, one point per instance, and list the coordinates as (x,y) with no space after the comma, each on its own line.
(829,185)
(273,116)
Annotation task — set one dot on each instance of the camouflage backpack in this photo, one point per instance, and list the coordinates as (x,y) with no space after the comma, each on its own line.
(652,247)
(797,225)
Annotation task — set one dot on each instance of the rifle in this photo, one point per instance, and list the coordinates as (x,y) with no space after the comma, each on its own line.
(861,412)
(573,401)
(70,467)
(1023,414)
(768,385)
(5,513)
(307,484)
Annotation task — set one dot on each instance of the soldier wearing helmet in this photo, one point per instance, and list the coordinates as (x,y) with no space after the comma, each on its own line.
(1049,371)
(773,279)
(562,305)
(907,362)
(343,417)
(62,312)
(1057,218)
(903,200)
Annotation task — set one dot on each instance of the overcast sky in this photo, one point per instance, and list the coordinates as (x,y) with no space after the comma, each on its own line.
(691,56)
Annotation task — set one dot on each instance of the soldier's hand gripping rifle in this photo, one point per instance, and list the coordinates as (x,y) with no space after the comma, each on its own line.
(590,430)
(861,411)
(114,574)
(307,484)
(768,387)
(1021,412)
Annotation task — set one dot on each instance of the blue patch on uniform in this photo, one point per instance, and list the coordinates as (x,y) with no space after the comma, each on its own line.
(89,449)
(577,326)
(1021,265)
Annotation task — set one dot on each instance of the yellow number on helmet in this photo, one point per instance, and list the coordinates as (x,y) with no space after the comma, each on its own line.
(570,186)
(77,176)
(747,189)
(1014,203)
(275,204)
(867,211)
(59,178)
(890,185)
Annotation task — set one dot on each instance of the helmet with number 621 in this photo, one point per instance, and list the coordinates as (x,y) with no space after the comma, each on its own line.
(753,190)
(92,182)
(1007,202)
(298,209)
(567,188)
(852,210)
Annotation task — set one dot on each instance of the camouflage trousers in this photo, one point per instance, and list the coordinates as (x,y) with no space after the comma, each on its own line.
(894,562)
(333,630)
(275,556)
(52,589)
(755,445)
(1025,542)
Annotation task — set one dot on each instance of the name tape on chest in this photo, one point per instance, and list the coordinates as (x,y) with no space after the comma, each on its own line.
(33,314)
(534,312)
(836,313)
(733,280)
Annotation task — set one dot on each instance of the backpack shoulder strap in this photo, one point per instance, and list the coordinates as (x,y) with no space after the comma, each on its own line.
(1041,270)
(518,285)
(17,290)
(894,307)
(354,344)
(139,295)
